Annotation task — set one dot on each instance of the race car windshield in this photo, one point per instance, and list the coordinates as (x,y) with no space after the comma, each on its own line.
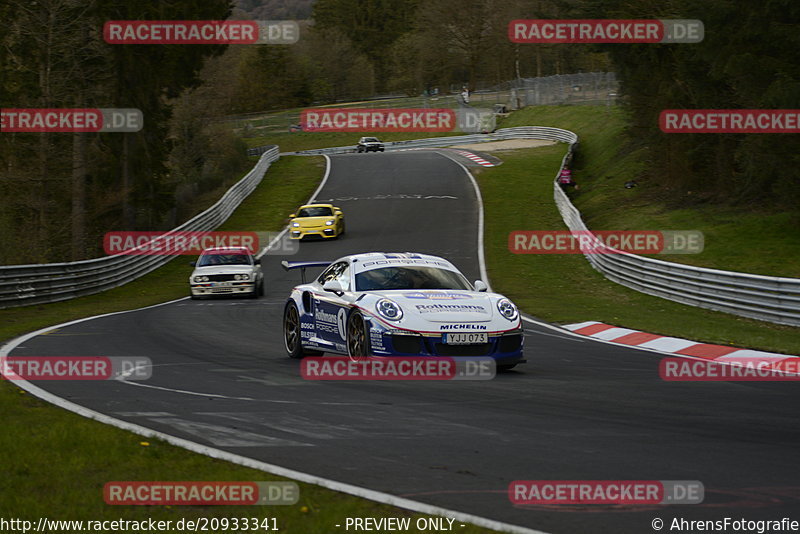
(315,212)
(207,260)
(410,278)
(370,139)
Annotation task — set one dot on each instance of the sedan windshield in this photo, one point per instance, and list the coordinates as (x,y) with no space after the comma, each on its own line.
(410,278)
(315,212)
(207,260)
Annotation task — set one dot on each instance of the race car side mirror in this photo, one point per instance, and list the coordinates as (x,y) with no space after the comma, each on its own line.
(334,286)
(480,285)
(292,216)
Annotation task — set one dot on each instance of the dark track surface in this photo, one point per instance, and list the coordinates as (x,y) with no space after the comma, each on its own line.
(578,410)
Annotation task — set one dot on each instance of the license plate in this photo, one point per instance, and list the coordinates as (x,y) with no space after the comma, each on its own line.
(466,338)
(223,284)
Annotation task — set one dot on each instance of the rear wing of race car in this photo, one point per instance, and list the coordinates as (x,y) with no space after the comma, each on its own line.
(303,265)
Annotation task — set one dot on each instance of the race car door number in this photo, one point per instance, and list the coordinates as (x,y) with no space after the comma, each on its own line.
(466,338)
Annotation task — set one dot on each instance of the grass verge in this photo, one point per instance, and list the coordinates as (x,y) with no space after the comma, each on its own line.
(58,462)
(288,183)
(737,238)
(563,288)
(292,142)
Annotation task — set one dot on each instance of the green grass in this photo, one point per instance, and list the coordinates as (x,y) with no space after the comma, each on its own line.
(56,462)
(288,183)
(736,238)
(292,142)
(563,288)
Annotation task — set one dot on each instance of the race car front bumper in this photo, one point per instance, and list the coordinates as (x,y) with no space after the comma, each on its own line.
(326,232)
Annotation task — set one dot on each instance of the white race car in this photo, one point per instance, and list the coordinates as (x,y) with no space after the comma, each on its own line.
(226,271)
(399,305)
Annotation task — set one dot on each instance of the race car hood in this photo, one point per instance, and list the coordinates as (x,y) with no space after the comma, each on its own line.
(430,307)
(312,222)
(222,269)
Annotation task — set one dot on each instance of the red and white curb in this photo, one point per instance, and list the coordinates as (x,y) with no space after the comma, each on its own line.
(672,345)
(474,157)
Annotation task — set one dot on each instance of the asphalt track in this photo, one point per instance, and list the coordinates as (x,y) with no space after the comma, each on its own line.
(579,410)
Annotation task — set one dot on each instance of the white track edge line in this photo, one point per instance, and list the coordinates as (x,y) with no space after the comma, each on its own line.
(479,197)
(357,491)
(485,276)
(310,200)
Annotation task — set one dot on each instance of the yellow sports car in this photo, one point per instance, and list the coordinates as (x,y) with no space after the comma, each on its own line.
(322,220)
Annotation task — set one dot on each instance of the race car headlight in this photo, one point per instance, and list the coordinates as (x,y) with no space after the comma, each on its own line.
(295,224)
(507,309)
(201,279)
(388,309)
(329,223)
(241,277)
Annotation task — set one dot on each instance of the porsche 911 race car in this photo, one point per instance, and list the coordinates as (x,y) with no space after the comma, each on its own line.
(320,220)
(382,304)
(226,271)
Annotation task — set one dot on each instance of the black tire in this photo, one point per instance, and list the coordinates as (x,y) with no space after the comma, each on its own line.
(506,367)
(261,288)
(357,337)
(294,346)
(255,293)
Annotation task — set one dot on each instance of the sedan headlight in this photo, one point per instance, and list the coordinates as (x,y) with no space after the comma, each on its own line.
(241,277)
(329,223)
(295,224)
(507,309)
(201,279)
(388,309)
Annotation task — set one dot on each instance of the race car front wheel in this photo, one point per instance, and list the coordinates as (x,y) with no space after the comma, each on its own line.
(357,337)
(291,333)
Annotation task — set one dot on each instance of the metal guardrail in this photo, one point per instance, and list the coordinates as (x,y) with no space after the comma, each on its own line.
(766,298)
(522,132)
(259,150)
(21,285)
